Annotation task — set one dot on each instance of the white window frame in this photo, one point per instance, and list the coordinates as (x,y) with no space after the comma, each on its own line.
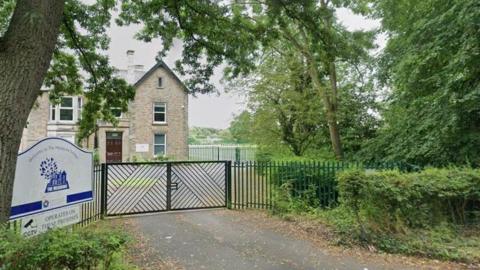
(72,108)
(52,113)
(164,144)
(54,110)
(165,112)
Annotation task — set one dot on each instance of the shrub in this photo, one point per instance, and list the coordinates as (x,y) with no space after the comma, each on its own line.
(314,180)
(396,202)
(286,202)
(84,248)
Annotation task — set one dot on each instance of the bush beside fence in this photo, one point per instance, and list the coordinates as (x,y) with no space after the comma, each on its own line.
(259,184)
(394,201)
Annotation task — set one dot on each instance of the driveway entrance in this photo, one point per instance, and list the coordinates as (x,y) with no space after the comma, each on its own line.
(226,239)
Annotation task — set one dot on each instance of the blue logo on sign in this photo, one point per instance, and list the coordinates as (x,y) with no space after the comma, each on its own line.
(57,180)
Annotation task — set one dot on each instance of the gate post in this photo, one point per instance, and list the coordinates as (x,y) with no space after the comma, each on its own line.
(169,186)
(237,154)
(228,184)
(103,191)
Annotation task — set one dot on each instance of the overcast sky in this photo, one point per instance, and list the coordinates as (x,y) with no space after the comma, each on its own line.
(205,110)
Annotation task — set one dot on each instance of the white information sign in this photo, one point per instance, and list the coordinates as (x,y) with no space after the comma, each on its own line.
(51,174)
(141,148)
(40,223)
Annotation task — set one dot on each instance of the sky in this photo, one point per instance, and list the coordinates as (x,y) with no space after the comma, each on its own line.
(207,110)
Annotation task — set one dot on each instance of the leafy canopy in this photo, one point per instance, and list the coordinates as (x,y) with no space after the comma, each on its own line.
(431,65)
(211,32)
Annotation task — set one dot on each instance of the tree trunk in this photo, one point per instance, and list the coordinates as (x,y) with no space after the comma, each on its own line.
(329,104)
(332,112)
(25,54)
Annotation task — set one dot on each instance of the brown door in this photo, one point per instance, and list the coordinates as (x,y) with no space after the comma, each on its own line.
(114,147)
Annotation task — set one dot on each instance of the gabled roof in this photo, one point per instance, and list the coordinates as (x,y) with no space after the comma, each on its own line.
(160,64)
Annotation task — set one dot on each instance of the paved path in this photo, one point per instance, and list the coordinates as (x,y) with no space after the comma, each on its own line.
(216,240)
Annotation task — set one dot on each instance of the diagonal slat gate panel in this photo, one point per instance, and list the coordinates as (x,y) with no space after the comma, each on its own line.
(136,188)
(198,185)
(133,188)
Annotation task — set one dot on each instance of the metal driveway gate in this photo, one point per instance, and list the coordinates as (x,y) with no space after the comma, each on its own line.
(133,188)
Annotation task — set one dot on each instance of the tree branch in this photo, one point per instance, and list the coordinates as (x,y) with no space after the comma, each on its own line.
(79,48)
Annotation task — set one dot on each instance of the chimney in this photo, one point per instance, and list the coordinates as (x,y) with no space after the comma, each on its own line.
(130,67)
(130,55)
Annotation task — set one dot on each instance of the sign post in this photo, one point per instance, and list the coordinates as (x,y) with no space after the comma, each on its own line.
(52,174)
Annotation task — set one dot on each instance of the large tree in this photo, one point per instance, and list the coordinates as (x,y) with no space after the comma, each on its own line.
(431,65)
(287,117)
(308,26)
(284,103)
(60,44)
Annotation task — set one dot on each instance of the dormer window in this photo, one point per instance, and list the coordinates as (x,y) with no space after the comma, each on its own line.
(160,82)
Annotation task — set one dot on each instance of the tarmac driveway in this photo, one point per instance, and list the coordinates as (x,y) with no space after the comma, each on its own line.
(214,239)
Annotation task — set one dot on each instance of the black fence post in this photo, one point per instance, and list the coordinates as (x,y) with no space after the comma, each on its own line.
(103,190)
(228,184)
(169,186)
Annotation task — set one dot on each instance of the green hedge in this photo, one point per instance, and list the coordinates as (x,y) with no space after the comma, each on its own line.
(318,177)
(394,201)
(83,248)
(312,180)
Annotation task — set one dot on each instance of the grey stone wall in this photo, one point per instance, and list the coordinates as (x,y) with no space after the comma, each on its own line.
(143,128)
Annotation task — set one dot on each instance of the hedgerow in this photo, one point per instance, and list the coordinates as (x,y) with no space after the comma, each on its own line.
(393,201)
(81,248)
(433,213)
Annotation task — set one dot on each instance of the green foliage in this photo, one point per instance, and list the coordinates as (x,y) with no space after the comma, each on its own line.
(310,183)
(6,10)
(84,248)
(96,157)
(431,65)
(287,116)
(433,213)
(287,200)
(240,128)
(140,158)
(396,202)
(443,241)
(214,31)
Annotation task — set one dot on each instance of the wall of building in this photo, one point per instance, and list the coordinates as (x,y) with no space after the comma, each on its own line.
(37,122)
(137,126)
(143,128)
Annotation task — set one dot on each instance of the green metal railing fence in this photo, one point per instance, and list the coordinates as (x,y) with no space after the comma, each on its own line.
(222,152)
(258,184)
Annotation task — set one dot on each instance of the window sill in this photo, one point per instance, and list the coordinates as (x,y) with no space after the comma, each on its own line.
(160,123)
(62,122)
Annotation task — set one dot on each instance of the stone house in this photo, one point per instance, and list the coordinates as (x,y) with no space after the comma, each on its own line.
(155,125)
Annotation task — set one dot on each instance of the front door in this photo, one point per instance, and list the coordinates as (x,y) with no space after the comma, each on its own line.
(114,147)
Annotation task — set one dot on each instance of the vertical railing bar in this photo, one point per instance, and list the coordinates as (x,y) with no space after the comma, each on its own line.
(169,186)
